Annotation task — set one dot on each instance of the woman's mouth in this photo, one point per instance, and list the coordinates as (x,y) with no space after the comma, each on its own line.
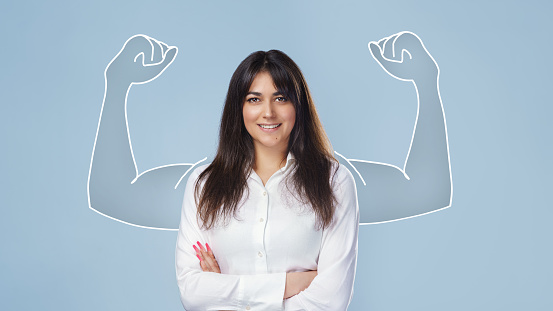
(269,127)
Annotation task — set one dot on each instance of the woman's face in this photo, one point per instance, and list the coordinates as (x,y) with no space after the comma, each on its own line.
(269,117)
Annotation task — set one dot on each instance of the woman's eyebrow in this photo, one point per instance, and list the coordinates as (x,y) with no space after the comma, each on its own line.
(254,93)
(259,94)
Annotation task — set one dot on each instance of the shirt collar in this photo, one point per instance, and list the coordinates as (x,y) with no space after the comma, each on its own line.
(289,161)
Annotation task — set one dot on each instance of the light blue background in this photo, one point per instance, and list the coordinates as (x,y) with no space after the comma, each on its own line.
(490,251)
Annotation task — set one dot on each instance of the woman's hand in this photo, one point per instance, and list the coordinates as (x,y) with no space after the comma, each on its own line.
(206,257)
(297,282)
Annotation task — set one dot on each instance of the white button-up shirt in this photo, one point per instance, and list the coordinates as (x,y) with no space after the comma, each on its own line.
(272,233)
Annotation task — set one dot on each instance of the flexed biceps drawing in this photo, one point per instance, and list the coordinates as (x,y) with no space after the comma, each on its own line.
(153,198)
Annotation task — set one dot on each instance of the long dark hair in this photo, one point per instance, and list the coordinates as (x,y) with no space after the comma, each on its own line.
(226,177)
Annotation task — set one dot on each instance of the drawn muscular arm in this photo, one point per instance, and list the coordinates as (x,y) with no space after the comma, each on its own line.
(387,192)
(115,189)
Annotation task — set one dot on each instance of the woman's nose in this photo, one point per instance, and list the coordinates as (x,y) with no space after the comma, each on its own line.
(268,111)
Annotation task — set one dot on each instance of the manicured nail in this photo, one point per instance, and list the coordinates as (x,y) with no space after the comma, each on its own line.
(196,249)
(201,246)
(208,248)
(200,258)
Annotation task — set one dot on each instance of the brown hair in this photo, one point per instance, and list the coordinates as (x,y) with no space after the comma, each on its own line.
(226,177)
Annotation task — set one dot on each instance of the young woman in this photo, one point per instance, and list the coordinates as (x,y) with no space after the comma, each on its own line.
(272,222)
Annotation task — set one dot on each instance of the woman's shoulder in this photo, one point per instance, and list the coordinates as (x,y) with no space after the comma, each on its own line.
(342,175)
(199,169)
(341,171)
(195,172)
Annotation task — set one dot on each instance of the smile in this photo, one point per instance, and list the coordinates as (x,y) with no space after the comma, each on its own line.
(269,126)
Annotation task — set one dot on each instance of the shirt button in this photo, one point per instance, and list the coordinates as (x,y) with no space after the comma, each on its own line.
(248,307)
(264,193)
(261,219)
(260,254)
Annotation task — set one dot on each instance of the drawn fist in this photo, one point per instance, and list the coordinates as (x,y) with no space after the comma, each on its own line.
(141,60)
(404,56)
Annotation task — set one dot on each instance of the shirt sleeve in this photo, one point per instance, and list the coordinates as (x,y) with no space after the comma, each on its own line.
(214,291)
(332,288)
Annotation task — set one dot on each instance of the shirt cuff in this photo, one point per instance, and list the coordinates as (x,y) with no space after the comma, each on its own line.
(262,294)
(294,303)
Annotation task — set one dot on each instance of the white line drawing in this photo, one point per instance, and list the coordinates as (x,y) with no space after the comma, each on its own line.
(152,199)
(125,200)
(425,184)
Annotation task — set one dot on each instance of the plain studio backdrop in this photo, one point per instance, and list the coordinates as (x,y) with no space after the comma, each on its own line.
(490,251)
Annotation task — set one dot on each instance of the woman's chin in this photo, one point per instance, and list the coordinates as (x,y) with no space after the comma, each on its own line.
(278,145)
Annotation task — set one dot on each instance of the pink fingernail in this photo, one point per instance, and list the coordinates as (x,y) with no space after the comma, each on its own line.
(200,245)
(200,258)
(196,249)
(208,248)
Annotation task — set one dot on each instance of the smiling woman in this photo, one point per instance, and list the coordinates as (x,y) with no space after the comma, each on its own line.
(269,118)
(281,216)
(277,213)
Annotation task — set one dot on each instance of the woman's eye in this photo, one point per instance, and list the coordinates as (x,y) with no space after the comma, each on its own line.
(253,100)
(281,99)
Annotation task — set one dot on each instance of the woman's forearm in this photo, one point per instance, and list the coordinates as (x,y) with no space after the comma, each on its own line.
(297,282)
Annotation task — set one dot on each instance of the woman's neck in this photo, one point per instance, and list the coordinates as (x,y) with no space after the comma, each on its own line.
(267,162)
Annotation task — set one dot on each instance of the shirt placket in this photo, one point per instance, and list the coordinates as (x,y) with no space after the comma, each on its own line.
(260,230)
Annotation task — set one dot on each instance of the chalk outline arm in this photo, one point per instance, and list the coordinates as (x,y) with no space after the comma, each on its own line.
(152,62)
(390,57)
